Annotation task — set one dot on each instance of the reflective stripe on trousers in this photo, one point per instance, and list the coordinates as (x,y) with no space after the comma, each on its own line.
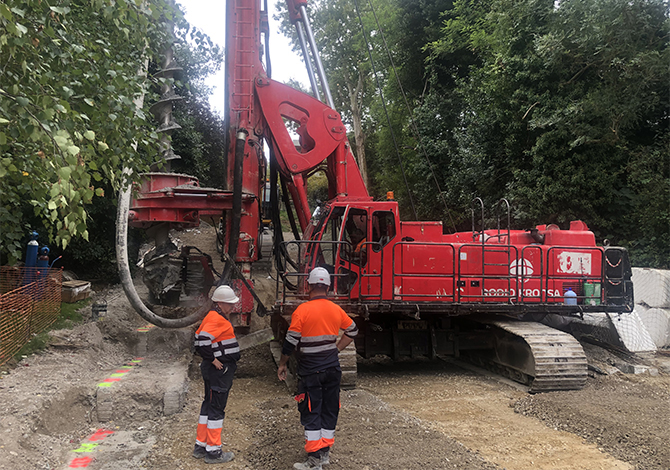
(212,410)
(320,408)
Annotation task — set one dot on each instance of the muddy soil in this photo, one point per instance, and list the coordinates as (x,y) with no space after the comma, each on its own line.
(414,414)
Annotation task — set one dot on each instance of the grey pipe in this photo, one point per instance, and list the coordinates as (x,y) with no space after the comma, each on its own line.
(308,62)
(317,58)
(127,280)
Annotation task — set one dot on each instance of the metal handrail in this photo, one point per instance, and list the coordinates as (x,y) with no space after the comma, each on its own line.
(518,279)
(399,296)
(307,260)
(362,275)
(483,276)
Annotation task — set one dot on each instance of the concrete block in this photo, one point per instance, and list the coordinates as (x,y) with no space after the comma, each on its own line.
(628,368)
(156,387)
(652,287)
(104,404)
(633,333)
(657,322)
(176,386)
(255,338)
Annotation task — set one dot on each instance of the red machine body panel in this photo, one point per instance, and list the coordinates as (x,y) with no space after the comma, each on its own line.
(413,262)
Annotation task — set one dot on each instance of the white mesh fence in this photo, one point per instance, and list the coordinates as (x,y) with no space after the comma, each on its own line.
(652,287)
(647,328)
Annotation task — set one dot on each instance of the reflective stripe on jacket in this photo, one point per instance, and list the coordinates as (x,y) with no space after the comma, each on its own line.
(215,339)
(313,332)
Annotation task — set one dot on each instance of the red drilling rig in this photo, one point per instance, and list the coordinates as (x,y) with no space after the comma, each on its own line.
(412,289)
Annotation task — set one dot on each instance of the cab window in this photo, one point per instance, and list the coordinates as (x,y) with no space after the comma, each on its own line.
(383,228)
(331,233)
(356,233)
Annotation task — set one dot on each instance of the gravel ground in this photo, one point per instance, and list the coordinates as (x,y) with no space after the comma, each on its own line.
(262,427)
(627,416)
(409,415)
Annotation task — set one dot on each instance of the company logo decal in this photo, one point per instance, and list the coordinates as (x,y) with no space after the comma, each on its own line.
(521,267)
(570,262)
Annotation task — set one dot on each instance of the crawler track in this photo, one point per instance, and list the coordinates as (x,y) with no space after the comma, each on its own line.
(550,359)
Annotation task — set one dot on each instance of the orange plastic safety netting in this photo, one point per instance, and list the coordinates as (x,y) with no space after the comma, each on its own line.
(30,300)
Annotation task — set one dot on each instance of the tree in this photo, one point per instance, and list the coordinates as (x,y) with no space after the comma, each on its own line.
(563,102)
(70,73)
(72,116)
(201,141)
(344,55)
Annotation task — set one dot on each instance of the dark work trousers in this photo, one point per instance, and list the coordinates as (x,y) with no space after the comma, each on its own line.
(319,407)
(212,410)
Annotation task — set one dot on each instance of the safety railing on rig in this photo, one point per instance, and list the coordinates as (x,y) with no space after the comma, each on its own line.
(30,300)
(370,285)
(463,274)
(507,274)
(350,277)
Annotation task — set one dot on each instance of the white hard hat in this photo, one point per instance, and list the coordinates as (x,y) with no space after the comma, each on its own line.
(319,276)
(225,294)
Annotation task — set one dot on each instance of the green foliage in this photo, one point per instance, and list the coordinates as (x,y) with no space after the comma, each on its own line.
(76,86)
(345,57)
(649,191)
(560,107)
(563,110)
(70,314)
(202,140)
(317,189)
(71,72)
(95,259)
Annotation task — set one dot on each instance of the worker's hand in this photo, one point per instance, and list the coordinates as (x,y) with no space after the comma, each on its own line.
(216,363)
(281,372)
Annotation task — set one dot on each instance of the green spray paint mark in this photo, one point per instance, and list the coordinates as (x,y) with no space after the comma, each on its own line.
(86,447)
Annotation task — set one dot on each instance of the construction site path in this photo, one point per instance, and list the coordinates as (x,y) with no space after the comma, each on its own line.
(408,415)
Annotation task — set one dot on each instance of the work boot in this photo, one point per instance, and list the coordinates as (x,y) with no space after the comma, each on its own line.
(199,452)
(325,456)
(219,457)
(313,462)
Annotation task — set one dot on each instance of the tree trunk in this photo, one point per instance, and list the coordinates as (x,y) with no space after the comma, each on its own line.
(359,136)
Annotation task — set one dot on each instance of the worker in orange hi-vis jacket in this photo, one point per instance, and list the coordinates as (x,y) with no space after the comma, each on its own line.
(314,329)
(215,342)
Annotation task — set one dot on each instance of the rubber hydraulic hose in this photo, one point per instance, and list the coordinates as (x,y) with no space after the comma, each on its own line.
(127,280)
(279,249)
(289,210)
(236,216)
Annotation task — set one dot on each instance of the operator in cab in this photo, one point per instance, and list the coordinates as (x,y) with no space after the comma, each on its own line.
(313,333)
(216,343)
(358,243)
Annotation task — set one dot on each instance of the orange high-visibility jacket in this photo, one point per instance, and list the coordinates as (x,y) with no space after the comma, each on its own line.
(314,328)
(215,339)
